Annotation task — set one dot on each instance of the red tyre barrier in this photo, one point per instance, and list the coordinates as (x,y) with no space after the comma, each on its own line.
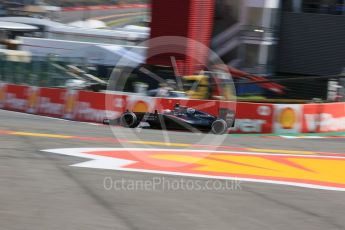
(17,98)
(323,118)
(51,102)
(254,118)
(94,107)
(287,119)
(2,94)
(90,107)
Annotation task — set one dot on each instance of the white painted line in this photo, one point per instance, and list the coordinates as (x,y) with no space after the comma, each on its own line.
(52,118)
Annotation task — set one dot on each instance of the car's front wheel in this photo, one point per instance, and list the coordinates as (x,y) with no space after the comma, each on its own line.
(219,127)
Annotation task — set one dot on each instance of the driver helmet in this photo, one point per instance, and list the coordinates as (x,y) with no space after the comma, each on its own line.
(177,106)
(190,111)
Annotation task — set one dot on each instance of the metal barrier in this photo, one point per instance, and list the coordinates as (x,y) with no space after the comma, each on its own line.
(39,71)
(54,71)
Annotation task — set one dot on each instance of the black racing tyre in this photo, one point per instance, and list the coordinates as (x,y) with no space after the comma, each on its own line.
(129,120)
(219,127)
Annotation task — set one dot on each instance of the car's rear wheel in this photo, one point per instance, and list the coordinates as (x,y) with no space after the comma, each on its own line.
(129,120)
(219,127)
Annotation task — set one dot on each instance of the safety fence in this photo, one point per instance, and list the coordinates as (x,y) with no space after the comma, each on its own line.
(105,7)
(94,107)
(50,71)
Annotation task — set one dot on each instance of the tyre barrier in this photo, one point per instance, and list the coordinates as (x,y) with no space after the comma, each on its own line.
(95,107)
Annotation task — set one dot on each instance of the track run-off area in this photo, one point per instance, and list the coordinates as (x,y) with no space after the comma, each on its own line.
(62,174)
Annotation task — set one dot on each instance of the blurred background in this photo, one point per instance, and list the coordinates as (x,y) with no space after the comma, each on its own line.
(290,51)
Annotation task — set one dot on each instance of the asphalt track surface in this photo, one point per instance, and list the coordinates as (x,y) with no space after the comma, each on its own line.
(39,190)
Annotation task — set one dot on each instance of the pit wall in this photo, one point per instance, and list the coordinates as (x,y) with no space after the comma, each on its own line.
(94,107)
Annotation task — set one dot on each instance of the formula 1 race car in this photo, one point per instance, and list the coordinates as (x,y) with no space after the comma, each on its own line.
(180,118)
